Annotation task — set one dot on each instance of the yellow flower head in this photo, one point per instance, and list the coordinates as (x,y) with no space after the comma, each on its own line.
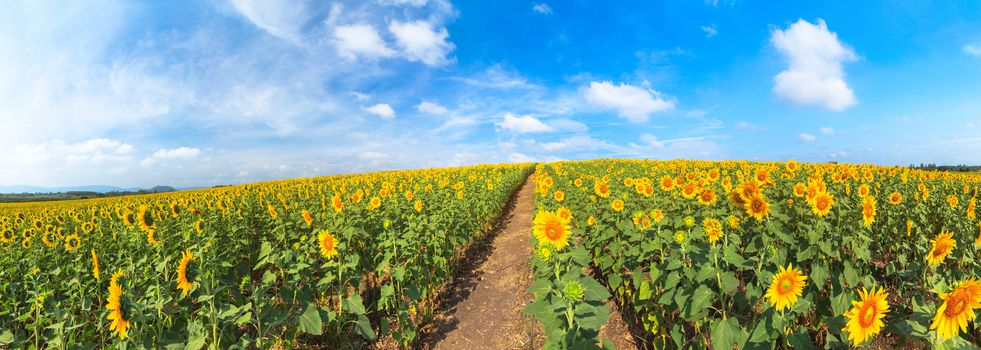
(822,204)
(114,304)
(868,211)
(865,317)
(551,229)
(617,204)
(787,285)
(327,243)
(307,217)
(942,246)
(957,309)
(183,282)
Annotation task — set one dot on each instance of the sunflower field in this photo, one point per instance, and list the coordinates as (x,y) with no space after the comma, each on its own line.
(335,260)
(738,254)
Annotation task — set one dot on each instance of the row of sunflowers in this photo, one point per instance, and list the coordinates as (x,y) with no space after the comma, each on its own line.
(334,260)
(738,254)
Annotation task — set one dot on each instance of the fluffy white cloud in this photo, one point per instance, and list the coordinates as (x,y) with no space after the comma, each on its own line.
(651,140)
(710,30)
(542,8)
(815,75)
(581,143)
(516,157)
(383,110)
(279,18)
(180,153)
(972,50)
(806,137)
(634,103)
(361,40)
(420,41)
(523,124)
(827,130)
(432,108)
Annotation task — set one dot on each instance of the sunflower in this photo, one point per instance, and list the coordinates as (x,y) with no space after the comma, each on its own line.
(865,317)
(145,218)
(757,207)
(977,241)
(868,211)
(864,190)
(591,221)
(943,245)
(72,242)
(957,309)
(199,226)
(183,283)
(895,198)
(667,183)
(95,265)
(690,190)
(733,221)
(7,236)
(151,237)
(617,204)
(418,205)
(707,197)
(114,304)
(787,285)
(748,190)
(823,203)
(713,229)
(558,196)
(272,211)
(601,189)
(374,203)
(800,190)
(328,244)
(909,228)
(657,215)
(459,195)
(307,217)
(549,228)
(565,214)
(337,203)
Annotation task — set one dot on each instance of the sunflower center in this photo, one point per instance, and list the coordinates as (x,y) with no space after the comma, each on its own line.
(823,203)
(553,231)
(785,286)
(866,315)
(956,304)
(942,248)
(757,206)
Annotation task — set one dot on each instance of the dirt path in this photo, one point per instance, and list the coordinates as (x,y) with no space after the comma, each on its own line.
(483,308)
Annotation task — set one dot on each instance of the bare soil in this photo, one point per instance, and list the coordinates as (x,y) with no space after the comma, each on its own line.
(482,308)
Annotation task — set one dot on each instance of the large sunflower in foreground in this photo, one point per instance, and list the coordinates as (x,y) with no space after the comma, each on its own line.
(183,282)
(957,309)
(787,285)
(941,247)
(327,243)
(114,303)
(865,317)
(550,228)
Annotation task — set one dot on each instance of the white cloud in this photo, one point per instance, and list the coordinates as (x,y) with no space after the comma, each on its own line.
(416,3)
(361,40)
(383,110)
(815,75)
(827,130)
(523,124)
(516,157)
(372,155)
(432,108)
(567,125)
(652,140)
(421,42)
(631,102)
(581,144)
(360,96)
(279,18)
(542,8)
(710,30)
(742,124)
(180,153)
(972,50)
(806,137)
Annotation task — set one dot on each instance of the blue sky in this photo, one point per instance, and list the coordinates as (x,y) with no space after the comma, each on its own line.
(187,94)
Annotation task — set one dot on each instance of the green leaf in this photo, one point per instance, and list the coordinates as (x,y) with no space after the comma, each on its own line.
(851,276)
(729,282)
(819,274)
(702,298)
(725,333)
(645,291)
(6,337)
(801,340)
(672,280)
(354,304)
(364,328)
(310,321)
(841,303)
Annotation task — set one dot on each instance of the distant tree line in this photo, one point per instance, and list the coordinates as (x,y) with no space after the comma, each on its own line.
(952,168)
(71,195)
